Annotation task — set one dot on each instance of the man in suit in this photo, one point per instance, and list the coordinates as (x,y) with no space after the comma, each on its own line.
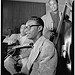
(51,19)
(24,53)
(43,57)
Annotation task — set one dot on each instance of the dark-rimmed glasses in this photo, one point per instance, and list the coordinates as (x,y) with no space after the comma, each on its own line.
(29,26)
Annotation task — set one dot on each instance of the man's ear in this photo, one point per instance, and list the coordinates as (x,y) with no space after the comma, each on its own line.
(40,28)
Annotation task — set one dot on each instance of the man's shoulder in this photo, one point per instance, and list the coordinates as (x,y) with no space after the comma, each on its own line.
(48,43)
(45,16)
(15,35)
(48,47)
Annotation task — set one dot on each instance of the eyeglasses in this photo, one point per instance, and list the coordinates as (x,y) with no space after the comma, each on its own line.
(29,26)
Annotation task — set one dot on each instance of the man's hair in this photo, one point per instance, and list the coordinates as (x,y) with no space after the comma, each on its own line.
(38,20)
(55,0)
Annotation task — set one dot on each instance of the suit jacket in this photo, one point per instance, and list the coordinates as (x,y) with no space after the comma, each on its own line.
(46,61)
(48,24)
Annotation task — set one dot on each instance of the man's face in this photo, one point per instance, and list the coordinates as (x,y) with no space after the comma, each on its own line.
(22,30)
(53,5)
(9,31)
(32,29)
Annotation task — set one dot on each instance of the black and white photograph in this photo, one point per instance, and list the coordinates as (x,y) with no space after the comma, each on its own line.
(37,37)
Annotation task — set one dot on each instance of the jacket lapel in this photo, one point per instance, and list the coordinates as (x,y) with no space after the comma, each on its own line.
(35,51)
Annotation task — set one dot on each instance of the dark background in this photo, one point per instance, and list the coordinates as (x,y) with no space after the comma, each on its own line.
(14,13)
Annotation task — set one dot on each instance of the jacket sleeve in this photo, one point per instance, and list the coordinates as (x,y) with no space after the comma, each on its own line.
(11,39)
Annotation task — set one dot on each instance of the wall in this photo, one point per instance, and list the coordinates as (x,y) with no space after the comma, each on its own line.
(17,12)
(61,4)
